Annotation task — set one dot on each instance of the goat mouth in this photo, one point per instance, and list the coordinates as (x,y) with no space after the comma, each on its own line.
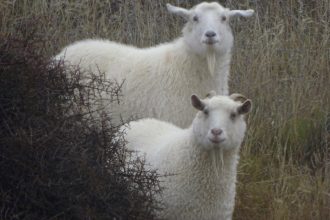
(210,42)
(217,140)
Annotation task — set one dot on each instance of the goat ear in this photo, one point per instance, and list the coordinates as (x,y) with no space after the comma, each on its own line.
(197,103)
(243,13)
(182,12)
(245,107)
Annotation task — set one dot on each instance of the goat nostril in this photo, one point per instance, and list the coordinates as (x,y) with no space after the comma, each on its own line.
(210,34)
(216,131)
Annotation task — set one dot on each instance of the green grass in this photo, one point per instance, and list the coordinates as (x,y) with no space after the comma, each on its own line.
(281,61)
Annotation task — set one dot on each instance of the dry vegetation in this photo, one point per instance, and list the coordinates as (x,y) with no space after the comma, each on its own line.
(281,60)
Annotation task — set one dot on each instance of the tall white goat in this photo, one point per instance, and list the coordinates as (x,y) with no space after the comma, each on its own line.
(158,80)
(202,158)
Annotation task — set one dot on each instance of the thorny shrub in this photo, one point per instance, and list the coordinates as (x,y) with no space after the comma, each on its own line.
(57,160)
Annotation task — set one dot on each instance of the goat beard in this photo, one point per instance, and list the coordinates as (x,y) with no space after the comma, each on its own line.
(210,57)
(218,162)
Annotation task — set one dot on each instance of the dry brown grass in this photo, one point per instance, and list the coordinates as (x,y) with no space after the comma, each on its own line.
(281,60)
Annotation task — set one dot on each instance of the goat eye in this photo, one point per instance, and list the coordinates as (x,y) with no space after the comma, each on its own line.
(223,18)
(206,111)
(233,115)
(195,18)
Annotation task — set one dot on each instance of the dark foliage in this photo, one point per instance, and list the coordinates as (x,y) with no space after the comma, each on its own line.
(56,160)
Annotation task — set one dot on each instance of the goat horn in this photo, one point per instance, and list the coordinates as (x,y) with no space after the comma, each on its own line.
(238,97)
(211,94)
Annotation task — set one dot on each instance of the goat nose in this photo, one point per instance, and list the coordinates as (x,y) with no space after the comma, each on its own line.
(216,131)
(210,34)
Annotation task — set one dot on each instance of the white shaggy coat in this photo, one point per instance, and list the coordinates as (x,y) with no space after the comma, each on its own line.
(201,184)
(159,80)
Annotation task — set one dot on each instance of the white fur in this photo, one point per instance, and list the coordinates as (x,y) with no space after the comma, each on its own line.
(201,184)
(158,80)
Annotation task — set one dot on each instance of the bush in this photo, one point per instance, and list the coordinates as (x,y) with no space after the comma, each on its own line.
(57,160)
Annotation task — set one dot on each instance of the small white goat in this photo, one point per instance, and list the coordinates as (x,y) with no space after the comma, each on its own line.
(202,158)
(158,79)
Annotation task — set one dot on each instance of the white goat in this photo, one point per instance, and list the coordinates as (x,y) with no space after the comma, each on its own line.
(159,80)
(202,158)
